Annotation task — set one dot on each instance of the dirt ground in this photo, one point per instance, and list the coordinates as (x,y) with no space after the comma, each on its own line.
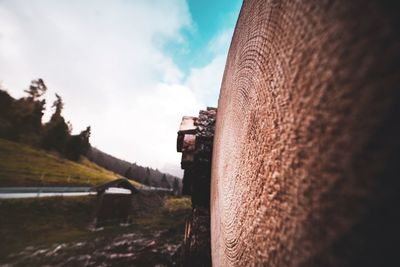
(56,232)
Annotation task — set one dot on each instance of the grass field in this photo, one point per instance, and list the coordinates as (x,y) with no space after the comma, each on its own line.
(22,165)
(40,221)
(48,222)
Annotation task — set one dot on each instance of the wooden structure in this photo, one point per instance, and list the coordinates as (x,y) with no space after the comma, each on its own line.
(195,142)
(113,206)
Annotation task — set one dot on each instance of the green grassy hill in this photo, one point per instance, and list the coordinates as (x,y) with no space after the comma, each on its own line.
(22,165)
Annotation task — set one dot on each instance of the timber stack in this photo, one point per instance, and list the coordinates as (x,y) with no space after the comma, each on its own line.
(195,142)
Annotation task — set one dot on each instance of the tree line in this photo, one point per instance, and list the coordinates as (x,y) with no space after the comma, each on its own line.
(145,175)
(21,121)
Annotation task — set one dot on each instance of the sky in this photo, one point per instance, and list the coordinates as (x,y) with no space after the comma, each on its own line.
(129,69)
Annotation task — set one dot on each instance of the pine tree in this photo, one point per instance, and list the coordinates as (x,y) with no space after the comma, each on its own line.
(37,89)
(6,122)
(146,181)
(128,172)
(58,104)
(56,131)
(147,177)
(175,186)
(28,112)
(78,145)
(164,182)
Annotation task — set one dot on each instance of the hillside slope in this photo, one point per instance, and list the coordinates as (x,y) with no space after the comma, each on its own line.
(132,171)
(22,165)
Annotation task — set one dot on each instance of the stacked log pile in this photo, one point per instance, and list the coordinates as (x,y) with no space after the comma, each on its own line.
(195,141)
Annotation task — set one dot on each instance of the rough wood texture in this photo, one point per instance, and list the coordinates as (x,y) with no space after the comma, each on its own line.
(305,165)
(195,141)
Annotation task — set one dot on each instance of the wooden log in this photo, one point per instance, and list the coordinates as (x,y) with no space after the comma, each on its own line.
(305,165)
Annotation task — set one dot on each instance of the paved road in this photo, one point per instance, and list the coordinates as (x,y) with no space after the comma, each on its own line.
(45,189)
(29,192)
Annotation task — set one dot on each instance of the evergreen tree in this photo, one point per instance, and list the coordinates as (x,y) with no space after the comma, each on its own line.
(78,145)
(56,131)
(21,120)
(27,114)
(147,177)
(164,182)
(5,102)
(146,181)
(128,172)
(6,123)
(175,186)
(58,105)
(36,89)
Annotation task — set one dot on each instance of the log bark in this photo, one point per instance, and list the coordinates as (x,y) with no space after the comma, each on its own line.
(195,142)
(305,161)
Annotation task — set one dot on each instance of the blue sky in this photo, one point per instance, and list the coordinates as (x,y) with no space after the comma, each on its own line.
(210,18)
(129,69)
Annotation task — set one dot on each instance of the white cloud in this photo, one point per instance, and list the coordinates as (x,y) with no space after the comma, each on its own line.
(220,43)
(206,81)
(105,58)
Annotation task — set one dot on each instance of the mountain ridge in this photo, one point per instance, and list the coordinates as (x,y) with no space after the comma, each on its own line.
(132,171)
